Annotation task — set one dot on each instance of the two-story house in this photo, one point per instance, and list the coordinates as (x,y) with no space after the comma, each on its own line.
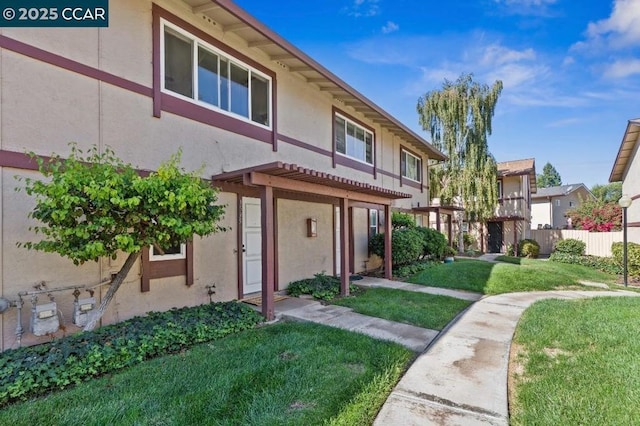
(307,166)
(626,169)
(549,206)
(512,219)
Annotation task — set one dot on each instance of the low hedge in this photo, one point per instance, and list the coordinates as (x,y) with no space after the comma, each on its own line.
(321,286)
(412,268)
(604,264)
(35,370)
(571,246)
(528,248)
(633,257)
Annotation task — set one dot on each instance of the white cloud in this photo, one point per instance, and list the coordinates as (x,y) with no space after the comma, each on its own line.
(622,28)
(366,8)
(496,54)
(526,7)
(390,27)
(622,68)
(568,60)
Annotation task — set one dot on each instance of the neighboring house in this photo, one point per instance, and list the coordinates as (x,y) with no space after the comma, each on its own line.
(626,168)
(512,219)
(550,205)
(308,167)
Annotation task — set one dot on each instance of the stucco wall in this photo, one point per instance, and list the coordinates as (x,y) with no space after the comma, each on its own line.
(44,107)
(631,187)
(300,256)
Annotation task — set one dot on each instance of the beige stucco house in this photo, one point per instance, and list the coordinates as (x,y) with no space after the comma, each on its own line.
(550,205)
(308,168)
(626,168)
(512,219)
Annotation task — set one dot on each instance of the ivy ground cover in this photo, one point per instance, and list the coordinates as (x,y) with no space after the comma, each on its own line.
(284,374)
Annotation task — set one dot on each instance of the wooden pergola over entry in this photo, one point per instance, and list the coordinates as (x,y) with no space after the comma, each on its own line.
(280,176)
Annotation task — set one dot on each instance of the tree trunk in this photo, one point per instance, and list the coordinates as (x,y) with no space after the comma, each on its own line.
(97,314)
(460,233)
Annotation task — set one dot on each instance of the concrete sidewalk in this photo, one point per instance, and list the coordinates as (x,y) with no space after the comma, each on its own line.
(400,285)
(462,378)
(412,337)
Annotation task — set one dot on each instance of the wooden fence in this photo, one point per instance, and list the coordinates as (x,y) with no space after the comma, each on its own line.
(598,243)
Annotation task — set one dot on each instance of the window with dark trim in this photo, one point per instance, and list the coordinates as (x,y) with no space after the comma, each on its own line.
(199,72)
(176,261)
(411,166)
(353,140)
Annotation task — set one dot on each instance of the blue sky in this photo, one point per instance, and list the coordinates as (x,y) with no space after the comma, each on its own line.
(571,69)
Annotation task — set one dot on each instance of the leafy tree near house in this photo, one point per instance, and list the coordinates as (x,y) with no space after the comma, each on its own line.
(610,192)
(458,118)
(549,177)
(596,216)
(96,206)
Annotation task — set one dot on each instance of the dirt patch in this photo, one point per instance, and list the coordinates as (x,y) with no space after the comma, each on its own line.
(286,356)
(555,352)
(299,405)
(517,361)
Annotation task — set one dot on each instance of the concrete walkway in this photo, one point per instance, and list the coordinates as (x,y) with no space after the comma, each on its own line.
(412,337)
(462,378)
(399,285)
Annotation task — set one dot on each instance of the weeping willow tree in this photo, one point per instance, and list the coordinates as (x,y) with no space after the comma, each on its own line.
(458,118)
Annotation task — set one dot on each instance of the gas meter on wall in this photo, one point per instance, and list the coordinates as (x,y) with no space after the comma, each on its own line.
(81,310)
(44,319)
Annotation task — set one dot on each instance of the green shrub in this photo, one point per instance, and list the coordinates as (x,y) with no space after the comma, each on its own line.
(604,264)
(412,268)
(528,248)
(406,244)
(433,242)
(34,370)
(571,246)
(633,257)
(402,220)
(469,240)
(321,286)
(510,251)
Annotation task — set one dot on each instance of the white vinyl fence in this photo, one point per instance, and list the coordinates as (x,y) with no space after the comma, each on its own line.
(598,243)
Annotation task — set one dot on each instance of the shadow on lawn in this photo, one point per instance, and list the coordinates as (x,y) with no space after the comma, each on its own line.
(463,274)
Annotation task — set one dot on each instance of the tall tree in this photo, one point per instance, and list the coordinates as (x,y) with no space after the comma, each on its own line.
(549,177)
(97,206)
(610,192)
(458,117)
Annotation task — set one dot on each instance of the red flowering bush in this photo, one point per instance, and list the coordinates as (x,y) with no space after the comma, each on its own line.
(597,216)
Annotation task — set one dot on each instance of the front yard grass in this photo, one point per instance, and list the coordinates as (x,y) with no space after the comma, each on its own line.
(285,374)
(576,363)
(495,278)
(419,309)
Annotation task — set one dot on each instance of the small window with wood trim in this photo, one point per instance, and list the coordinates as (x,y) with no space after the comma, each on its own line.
(411,166)
(178,251)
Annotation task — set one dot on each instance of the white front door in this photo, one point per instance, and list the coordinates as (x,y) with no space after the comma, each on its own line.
(252,245)
(337,231)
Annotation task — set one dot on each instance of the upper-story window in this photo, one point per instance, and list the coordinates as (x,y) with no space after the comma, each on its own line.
(198,71)
(499,190)
(411,166)
(353,140)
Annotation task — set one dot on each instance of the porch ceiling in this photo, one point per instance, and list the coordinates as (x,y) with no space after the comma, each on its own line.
(292,177)
(629,141)
(230,18)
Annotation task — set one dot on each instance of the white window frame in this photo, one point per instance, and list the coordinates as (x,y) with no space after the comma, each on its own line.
(197,42)
(374,222)
(365,130)
(159,257)
(557,202)
(405,153)
(499,188)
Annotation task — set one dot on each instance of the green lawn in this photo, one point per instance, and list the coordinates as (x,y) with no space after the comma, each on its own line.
(577,363)
(495,278)
(420,309)
(285,374)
